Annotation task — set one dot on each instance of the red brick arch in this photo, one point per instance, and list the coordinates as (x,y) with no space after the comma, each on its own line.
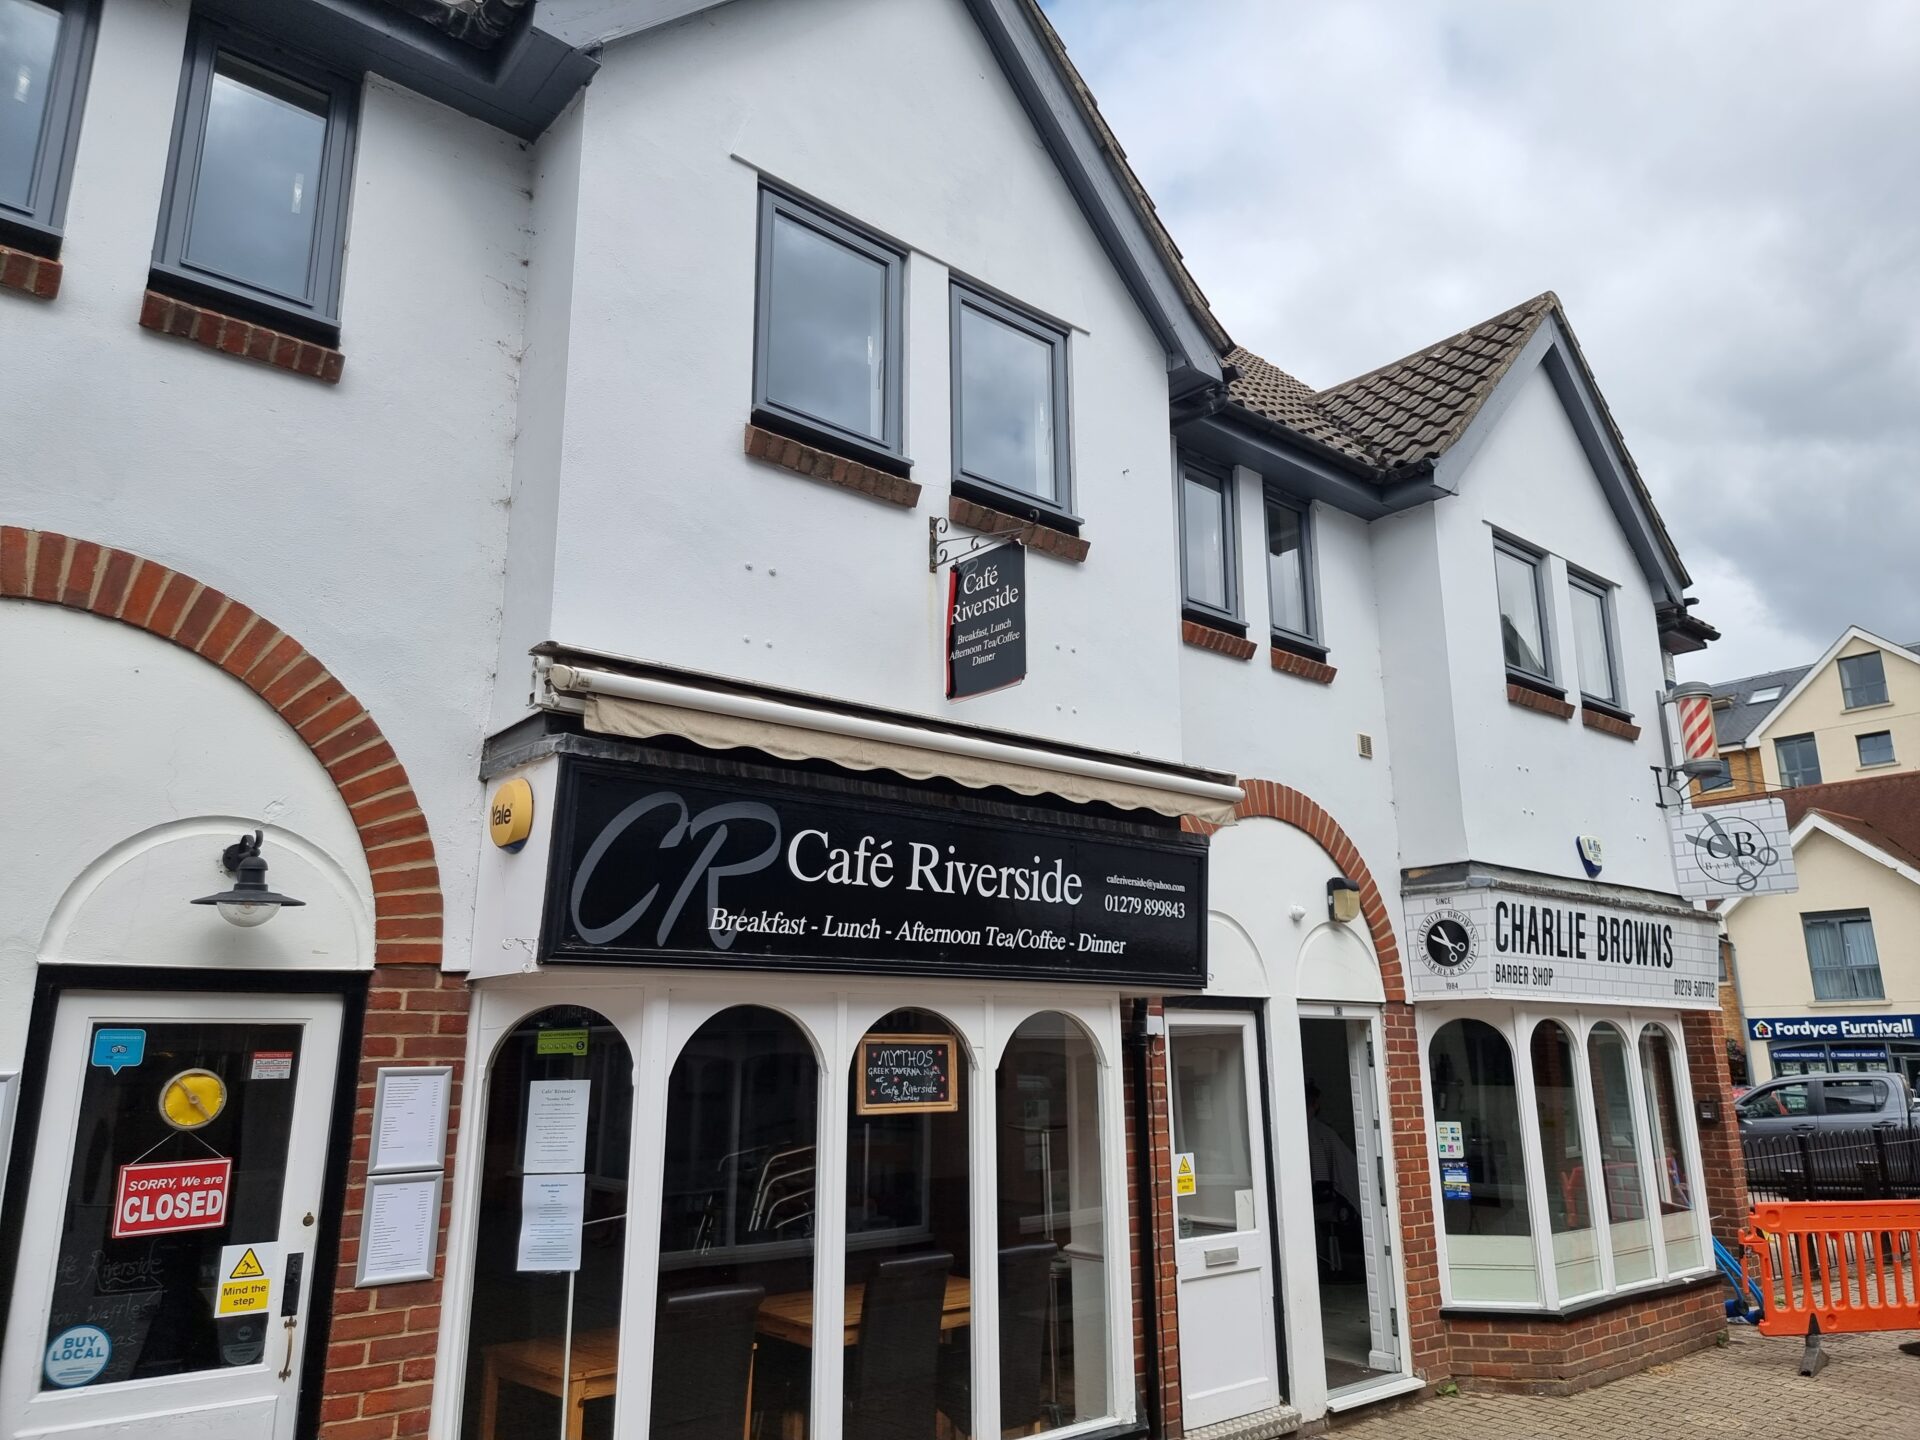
(119,585)
(1419,1245)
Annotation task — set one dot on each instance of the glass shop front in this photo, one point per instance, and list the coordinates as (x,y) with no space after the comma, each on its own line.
(811,1123)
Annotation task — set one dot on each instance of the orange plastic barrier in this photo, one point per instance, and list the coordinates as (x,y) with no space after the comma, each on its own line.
(1828,1267)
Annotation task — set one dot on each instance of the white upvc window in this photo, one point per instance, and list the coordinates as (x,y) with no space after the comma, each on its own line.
(1571,1167)
(740,1186)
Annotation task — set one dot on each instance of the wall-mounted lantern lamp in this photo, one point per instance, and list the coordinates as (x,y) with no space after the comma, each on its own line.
(249,902)
(1343,900)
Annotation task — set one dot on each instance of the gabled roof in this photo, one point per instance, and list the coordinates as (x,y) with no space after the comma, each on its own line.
(1733,722)
(1798,686)
(1401,420)
(1882,810)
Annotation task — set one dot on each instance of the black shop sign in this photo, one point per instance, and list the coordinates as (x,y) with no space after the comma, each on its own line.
(987,622)
(655,866)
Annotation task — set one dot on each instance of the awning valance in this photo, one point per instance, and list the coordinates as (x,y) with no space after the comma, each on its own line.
(642,708)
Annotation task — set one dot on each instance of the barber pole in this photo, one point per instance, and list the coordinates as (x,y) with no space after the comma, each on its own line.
(1693,705)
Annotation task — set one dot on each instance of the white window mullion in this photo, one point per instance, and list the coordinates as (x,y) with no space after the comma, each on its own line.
(984,1224)
(1650,1160)
(652,1065)
(830,1227)
(1593,1164)
(1545,1271)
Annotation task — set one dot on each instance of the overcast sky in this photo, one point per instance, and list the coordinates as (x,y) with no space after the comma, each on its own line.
(1725,194)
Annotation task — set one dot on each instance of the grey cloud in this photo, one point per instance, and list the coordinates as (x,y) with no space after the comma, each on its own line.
(1725,193)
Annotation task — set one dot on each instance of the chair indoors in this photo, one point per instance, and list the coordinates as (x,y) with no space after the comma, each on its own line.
(1026,1273)
(702,1359)
(893,1371)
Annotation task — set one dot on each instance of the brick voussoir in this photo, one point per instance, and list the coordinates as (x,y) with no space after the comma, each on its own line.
(831,469)
(239,338)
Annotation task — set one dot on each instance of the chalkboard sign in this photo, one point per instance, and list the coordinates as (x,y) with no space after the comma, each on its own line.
(904,1073)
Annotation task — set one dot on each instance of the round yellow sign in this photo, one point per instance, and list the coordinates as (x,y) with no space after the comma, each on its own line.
(192,1099)
(510,814)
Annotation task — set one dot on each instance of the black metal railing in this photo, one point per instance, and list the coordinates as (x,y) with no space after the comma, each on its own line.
(1864,1164)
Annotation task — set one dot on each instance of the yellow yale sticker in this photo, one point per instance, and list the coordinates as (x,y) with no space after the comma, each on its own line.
(246,1279)
(1183,1183)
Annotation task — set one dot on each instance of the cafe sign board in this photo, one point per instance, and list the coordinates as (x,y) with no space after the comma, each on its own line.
(656,866)
(906,1074)
(173,1195)
(987,621)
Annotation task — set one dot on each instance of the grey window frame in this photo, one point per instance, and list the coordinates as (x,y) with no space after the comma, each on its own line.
(1221,478)
(1537,560)
(1838,918)
(1609,636)
(317,309)
(1722,780)
(890,448)
(37,224)
(1847,699)
(1780,759)
(1311,639)
(1860,749)
(1059,510)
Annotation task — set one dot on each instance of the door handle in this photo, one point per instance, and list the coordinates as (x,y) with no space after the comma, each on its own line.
(290,1305)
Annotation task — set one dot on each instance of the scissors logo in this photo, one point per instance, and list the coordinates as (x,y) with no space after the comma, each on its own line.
(1734,852)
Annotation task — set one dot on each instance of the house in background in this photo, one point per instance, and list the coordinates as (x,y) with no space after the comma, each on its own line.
(1855,711)
(1829,977)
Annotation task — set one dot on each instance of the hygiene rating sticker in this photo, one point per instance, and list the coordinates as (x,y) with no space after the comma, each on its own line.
(246,1279)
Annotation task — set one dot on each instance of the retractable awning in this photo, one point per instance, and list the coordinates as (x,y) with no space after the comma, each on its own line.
(641,707)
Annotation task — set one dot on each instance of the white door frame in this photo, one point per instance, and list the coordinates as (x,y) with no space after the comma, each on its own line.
(178,1407)
(1189,1255)
(1396,1287)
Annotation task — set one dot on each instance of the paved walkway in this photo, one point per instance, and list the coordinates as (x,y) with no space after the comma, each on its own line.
(1751,1390)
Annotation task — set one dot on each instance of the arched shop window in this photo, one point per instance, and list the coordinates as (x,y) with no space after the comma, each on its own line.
(1570,1217)
(1490,1251)
(552,1225)
(1630,1234)
(737,1231)
(909,1257)
(1674,1183)
(1052,1232)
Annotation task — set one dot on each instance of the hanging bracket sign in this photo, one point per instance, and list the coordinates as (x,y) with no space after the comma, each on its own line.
(987,622)
(905,1074)
(174,1195)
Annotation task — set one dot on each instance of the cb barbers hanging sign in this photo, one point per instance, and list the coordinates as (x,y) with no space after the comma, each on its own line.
(1514,944)
(987,622)
(660,867)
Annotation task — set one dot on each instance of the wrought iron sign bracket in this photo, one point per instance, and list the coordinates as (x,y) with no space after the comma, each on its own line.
(946,551)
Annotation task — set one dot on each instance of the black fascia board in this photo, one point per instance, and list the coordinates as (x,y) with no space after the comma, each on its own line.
(1231,440)
(519,85)
(1192,362)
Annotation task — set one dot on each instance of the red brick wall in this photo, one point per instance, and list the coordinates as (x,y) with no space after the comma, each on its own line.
(1154,1210)
(382,1340)
(1546,1357)
(1725,1168)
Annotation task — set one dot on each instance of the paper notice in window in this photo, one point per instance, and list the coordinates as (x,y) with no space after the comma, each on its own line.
(556,1127)
(552,1209)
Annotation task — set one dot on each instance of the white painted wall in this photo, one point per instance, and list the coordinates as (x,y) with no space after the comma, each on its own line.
(670,545)
(130,764)
(366,519)
(1528,784)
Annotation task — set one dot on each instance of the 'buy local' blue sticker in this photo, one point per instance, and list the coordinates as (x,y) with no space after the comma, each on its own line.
(117,1049)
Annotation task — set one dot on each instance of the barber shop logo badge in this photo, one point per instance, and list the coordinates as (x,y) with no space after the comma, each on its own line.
(1448,942)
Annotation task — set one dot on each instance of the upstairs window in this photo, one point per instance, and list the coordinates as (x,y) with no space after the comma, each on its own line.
(1290,573)
(1208,541)
(1842,956)
(255,206)
(1863,680)
(828,330)
(1799,759)
(1876,748)
(1721,779)
(1593,639)
(45,48)
(1523,609)
(1010,404)
(1766,695)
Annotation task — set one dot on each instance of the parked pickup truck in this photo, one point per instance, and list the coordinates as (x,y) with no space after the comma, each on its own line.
(1831,1137)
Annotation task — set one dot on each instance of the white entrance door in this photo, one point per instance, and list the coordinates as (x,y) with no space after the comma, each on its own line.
(177,1175)
(1229,1362)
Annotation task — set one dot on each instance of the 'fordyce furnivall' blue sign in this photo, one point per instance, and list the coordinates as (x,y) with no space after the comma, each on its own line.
(658,866)
(1834,1027)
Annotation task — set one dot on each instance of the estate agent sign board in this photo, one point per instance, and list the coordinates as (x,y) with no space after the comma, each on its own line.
(665,867)
(1511,944)
(987,622)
